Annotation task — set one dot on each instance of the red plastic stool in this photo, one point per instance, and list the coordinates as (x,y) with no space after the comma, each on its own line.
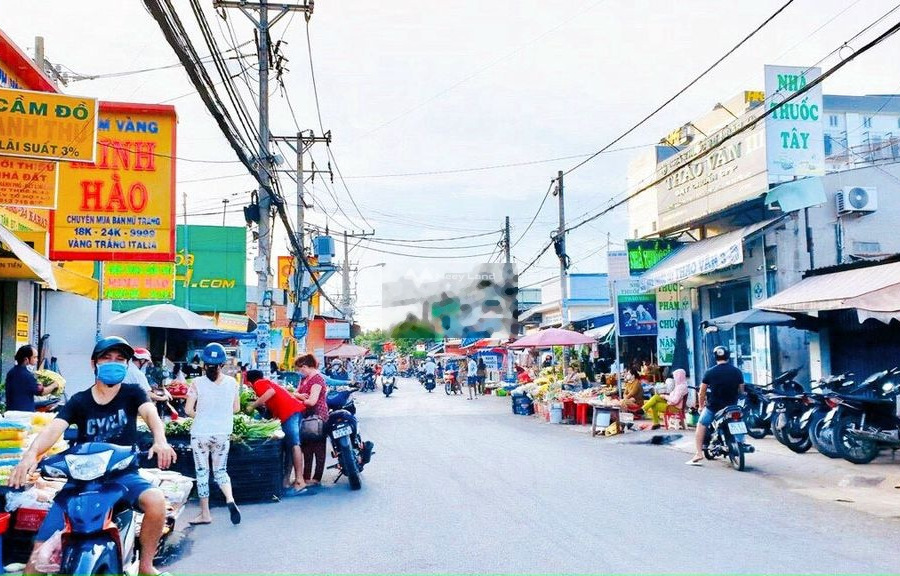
(569,410)
(583,413)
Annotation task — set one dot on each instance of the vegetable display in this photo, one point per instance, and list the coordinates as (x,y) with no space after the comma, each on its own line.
(48,377)
(245,428)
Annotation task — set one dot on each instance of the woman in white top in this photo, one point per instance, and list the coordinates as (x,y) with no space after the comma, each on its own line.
(212,401)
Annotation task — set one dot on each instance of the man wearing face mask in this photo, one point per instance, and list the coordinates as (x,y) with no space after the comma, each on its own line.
(107,412)
(21,385)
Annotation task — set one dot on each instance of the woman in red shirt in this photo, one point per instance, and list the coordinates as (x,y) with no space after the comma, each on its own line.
(312,392)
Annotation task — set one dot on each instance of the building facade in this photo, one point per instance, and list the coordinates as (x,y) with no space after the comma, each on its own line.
(745,231)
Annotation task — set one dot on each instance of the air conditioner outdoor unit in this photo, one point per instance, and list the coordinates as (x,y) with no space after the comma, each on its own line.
(856,199)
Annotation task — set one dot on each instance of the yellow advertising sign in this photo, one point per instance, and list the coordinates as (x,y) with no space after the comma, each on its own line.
(21,329)
(11,268)
(285,270)
(21,219)
(123,206)
(138,281)
(26,182)
(47,125)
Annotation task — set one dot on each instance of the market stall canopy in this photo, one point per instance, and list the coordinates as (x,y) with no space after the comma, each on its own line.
(164,316)
(49,273)
(703,256)
(552,337)
(750,318)
(481,343)
(873,288)
(347,351)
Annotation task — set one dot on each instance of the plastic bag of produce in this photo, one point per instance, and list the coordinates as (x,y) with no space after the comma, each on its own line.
(48,556)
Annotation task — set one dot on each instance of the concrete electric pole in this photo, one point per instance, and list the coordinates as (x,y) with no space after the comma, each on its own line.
(347,300)
(506,246)
(559,241)
(264,162)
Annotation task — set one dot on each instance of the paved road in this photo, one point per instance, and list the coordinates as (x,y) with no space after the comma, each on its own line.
(460,486)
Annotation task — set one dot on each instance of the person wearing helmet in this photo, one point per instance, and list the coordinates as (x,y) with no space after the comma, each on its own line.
(142,372)
(720,387)
(107,412)
(212,400)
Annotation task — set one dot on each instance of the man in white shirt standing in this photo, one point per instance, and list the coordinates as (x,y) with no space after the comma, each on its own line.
(472,377)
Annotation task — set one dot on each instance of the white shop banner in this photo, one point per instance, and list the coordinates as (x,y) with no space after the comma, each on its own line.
(795,140)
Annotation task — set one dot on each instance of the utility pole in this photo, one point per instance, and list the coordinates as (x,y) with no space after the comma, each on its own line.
(559,242)
(347,299)
(301,143)
(506,246)
(264,163)
(224,206)
(345,269)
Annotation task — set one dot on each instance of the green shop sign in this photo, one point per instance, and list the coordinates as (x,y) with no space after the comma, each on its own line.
(210,270)
(645,254)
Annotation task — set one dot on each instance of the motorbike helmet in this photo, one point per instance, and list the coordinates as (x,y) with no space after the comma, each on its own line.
(112,343)
(142,354)
(213,354)
(721,353)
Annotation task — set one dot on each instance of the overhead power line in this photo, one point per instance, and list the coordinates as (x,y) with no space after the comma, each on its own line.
(682,91)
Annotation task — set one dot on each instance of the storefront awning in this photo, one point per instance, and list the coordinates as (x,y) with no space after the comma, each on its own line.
(873,288)
(52,275)
(702,257)
(600,333)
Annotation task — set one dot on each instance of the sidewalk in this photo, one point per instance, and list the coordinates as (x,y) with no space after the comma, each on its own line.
(871,488)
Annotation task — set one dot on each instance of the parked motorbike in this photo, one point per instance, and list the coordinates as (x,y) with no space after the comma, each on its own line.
(822,432)
(100,537)
(347,446)
(430,382)
(723,437)
(756,400)
(451,384)
(388,383)
(863,424)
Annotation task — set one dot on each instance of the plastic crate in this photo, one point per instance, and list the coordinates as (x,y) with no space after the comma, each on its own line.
(29,519)
(4,522)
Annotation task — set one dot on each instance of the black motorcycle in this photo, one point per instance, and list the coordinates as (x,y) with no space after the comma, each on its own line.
(368,382)
(723,437)
(757,399)
(430,382)
(863,424)
(388,383)
(347,446)
(822,431)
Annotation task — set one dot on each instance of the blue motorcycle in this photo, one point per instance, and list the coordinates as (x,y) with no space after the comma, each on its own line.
(347,445)
(99,535)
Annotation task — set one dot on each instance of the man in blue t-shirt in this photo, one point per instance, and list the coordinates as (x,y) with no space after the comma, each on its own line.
(720,387)
(21,384)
